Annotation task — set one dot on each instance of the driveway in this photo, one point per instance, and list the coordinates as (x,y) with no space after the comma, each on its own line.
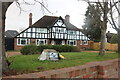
(12,53)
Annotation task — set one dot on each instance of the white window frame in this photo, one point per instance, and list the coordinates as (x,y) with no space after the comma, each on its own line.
(27,41)
(63,42)
(85,42)
(81,42)
(44,40)
(52,42)
(73,42)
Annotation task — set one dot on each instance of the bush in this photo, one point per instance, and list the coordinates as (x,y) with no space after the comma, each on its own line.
(29,49)
(32,49)
(59,48)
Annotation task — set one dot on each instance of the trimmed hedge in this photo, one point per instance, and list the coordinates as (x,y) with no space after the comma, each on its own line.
(29,49)
(32,49)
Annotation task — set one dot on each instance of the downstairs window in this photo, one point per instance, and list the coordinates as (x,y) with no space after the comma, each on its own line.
(72,42)
(23,42)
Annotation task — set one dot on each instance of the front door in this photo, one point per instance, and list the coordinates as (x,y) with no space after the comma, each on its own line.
(58,42)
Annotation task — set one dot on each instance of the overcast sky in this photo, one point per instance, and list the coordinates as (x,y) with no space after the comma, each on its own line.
(19,21)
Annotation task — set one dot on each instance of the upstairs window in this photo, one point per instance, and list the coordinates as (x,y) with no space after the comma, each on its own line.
(41,30)
(72,32)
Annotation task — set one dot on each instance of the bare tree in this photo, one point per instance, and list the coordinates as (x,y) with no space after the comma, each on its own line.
(103,24)
(106,8)
(115,24)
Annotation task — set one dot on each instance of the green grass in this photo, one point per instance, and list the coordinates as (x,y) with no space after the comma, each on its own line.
(30,63)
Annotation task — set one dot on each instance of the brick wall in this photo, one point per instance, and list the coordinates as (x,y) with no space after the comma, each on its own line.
(16,47)
(103,69)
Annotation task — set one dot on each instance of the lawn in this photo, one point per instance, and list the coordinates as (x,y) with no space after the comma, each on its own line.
(30,63)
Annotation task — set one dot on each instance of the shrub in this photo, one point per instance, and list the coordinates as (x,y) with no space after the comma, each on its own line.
(59,48)
(29,49)
(32,49)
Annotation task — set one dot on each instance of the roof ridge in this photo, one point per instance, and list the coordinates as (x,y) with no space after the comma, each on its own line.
(50,16)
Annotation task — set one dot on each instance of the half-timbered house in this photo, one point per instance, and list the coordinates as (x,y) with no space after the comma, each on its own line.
(51,30)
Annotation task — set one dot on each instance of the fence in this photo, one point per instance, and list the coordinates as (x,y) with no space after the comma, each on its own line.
(109,46)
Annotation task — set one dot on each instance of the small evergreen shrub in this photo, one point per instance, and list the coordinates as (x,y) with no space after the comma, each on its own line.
(29,49)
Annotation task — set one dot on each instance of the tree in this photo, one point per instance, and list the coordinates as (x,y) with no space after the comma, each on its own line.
(106,8)
(4,7)
(92,22)
(115,25)
(103,24)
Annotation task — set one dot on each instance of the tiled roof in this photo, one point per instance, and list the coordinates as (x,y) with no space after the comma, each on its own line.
(44,22)
(11,33)
(48,21)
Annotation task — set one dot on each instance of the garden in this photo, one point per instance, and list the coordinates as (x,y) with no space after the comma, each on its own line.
(30,63)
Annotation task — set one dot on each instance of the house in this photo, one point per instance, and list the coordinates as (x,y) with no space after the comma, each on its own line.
(9,39)
(51,30)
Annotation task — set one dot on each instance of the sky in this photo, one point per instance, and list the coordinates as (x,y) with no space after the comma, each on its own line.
(16,20)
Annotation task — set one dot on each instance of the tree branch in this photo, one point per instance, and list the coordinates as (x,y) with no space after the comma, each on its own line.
(111,16)
(43,6)
(27,3)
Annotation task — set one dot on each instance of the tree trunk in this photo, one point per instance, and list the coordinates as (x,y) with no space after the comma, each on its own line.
(103,29)
(102,44)
(118,40)
(2,30)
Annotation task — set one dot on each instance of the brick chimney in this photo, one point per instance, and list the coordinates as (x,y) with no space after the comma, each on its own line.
(67,18)
(30,19)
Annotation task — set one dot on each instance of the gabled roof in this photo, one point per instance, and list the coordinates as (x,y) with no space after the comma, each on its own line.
(44,22)
(10,33)
(70,26)
(48,21)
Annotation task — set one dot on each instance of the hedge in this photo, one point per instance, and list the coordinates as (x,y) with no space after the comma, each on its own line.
(29,49)
(32,49)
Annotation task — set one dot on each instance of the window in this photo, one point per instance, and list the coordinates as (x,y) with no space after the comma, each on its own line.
(41,42)
(52,42)
(63,42)
(23,41)
(81,42)
(71,32)
(72,42)
(41,30)
(85,42)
